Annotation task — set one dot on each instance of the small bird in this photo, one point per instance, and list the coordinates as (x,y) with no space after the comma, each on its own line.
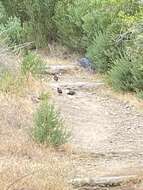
(55,77)
(71,92)
(59,90)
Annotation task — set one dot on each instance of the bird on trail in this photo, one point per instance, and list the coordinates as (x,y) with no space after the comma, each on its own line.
(71,92)
(56,78)
(59,90)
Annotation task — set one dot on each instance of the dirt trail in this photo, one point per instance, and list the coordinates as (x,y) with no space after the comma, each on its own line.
(107,132)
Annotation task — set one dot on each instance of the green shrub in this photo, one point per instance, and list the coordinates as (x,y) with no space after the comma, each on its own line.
(32,63)
(137,72)
(49,128)
(68,21)
(15,8)
(2,13)
(12,31)
(36,15)
(121,77)
(127,74)
(101,52)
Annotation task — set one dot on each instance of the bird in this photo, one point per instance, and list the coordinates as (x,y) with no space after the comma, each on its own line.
(59,90)
(71,92)
(55,77)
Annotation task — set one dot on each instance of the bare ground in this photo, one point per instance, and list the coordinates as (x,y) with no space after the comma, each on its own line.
(106,128)
(106,133)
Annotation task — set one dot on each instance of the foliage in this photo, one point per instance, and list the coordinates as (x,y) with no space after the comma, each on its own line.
(36,16)
(137,72)
(15,8)
(12,31)
(49,127)
(68,21)
(32,63)
(2,13)
(101,52)
(127,74)
(121,77)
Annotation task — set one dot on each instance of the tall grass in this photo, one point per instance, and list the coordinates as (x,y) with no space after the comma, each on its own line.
(33,64)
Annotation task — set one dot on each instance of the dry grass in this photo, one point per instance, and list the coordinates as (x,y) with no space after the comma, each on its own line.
(57,54)
(24,165)
(8,60)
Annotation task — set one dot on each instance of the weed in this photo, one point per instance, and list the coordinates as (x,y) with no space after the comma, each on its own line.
(11,84)
(32,63)
(49,127)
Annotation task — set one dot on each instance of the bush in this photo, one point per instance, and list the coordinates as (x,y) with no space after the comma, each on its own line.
(121,77)
(32,63)
(49,127)
(36,15)
(12,31)
(101,52)
(2,13)
(137,72)
(69,23)
(15,8)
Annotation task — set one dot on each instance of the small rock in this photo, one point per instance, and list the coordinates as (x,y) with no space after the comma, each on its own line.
(85,62)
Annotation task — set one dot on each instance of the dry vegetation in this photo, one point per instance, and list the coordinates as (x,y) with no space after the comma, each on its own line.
(23,163)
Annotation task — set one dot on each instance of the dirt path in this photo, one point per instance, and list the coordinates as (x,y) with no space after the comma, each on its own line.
(108,130)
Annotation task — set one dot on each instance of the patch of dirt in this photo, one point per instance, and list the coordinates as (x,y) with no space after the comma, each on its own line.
(101,125)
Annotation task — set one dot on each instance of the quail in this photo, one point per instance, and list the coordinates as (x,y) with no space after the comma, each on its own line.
(56,77)
(59,90)
(71,92)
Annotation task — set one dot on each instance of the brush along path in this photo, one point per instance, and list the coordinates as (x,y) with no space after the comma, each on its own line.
(107,129)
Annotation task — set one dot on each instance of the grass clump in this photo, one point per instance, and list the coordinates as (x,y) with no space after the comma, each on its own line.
(32,63)
(48,126)
(11,84)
